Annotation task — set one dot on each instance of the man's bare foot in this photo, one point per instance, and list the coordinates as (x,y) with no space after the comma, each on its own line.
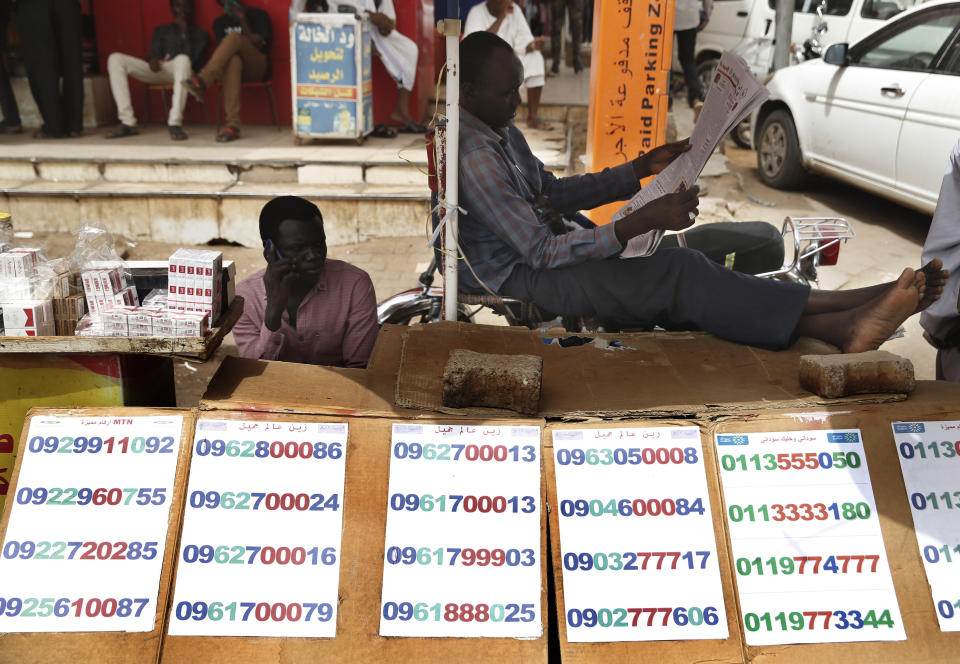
(881,317)
(936,279)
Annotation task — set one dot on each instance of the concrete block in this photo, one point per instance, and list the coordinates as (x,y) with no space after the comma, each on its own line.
(239,220)
(396,175)
(492,381)
(121,215)
(17,170)
(269,174)
(330,174)
(392,218)
(856,373)
(147,172)
(42,213)
(69,171)
(184,220)
(340,220)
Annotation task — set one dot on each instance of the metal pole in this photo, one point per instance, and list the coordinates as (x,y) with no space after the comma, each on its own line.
(451,29)
(783,34)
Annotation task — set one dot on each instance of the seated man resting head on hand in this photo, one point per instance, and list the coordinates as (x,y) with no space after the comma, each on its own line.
(303,307)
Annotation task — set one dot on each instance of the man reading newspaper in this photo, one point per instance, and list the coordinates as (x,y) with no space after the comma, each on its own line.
(509,248)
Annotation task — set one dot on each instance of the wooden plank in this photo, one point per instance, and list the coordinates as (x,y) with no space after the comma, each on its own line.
(105,647)
(191,347)
(726,651)
(361,574)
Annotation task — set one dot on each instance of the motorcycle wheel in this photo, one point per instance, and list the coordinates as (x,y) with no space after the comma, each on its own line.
(420,312)
(778,152)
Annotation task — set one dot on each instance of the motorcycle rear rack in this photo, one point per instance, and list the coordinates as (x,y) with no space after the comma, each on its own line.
(810,235)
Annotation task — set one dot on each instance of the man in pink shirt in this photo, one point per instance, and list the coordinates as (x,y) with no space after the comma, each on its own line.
(303,307)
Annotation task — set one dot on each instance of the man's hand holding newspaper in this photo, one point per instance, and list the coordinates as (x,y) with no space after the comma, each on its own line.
(732,95)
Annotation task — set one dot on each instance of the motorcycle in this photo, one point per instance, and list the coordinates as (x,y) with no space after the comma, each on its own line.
(794,253)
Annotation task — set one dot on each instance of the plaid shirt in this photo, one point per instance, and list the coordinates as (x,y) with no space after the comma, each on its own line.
(336,322)
(499,180)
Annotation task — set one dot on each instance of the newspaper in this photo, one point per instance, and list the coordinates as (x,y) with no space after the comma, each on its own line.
(731,97)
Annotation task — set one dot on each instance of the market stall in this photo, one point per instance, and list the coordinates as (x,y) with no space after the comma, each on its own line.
(92,330)
(321,520)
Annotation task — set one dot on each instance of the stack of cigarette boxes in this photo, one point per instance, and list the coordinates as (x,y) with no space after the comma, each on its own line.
(144,322)
(106,289)
(195,282)
(24,314)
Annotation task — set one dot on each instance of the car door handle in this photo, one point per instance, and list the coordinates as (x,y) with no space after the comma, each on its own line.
(894,90)
(741,13)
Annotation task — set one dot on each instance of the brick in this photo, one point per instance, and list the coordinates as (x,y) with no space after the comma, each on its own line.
(876,371)
(492,381)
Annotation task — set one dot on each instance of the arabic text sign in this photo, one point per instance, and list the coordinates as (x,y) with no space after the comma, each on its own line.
(260,548)
(462,555)
(332,75)
(636,536)
(84,547)
(929,455)
(808,552)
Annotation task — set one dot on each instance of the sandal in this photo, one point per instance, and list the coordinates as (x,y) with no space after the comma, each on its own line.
(540,124)
(195,87)
(383,131)
(122,131)
(413,128)
(6,128)
(228,134)
(177,133)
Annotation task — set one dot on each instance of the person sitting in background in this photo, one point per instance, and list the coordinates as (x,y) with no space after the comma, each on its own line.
(941,320)
(396,51)
(507,22)
(303,307)
(175,51)
(243,37)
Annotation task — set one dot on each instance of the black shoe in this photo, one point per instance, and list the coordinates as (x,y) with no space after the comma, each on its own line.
(555,69)
(577,66)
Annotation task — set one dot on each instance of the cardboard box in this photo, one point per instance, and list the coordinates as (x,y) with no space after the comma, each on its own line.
(42,330)
(63,285)
(26,313)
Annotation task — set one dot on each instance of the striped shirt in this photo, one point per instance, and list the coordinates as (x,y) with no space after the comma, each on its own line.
(336,321)
(499,179)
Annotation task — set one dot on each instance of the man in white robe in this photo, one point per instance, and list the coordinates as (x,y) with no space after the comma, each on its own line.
(397,52)
(941,320)
(507,21)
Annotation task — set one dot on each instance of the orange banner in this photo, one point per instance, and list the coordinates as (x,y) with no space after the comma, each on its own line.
(629,91)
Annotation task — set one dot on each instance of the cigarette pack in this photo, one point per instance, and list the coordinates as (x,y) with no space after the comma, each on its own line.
(109,278)
(62,286)
(26,314)
(17,264)
(42,330)
(74,307)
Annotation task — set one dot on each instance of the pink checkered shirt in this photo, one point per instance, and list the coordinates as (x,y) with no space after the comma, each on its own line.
(336,322)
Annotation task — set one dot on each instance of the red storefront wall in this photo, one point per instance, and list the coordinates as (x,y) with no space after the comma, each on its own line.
(126,26)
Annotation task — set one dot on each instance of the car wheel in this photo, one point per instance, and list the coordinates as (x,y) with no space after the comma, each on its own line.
(778,152)
(741,135)
(705,71)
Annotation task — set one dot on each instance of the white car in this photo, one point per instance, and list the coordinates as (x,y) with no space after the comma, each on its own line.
(882,114)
